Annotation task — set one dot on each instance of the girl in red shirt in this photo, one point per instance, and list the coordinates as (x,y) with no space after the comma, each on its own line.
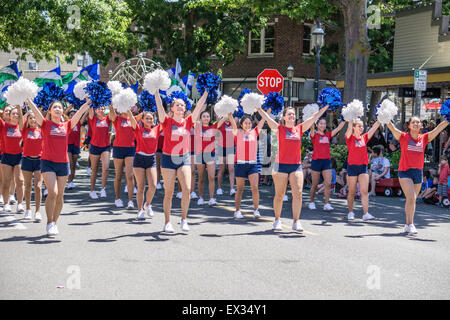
(123,155)
(6,116)
(226,148)
(31,164)
(288,163)
(321,161)
(175,160)
(54,160)
(99,148)
(11,157)
(410,169)
(357,165)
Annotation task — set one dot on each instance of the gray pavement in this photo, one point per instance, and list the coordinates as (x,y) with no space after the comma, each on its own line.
(103,253)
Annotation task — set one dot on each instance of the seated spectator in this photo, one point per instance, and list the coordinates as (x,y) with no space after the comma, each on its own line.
(341,181)
(443,180)
(382,169)
(306,166)
(427,191)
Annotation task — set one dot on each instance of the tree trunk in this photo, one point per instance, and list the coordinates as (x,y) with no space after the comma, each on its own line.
(374,100)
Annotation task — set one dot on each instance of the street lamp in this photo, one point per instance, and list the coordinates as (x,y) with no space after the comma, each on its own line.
(317,39)
(290,76)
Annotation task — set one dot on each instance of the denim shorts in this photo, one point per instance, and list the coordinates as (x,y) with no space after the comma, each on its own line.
(287,168)
(144,162)
(97,151)
(123,152)
(31,164)
(60,168)
(416,175)
(205,158)
(243,170)
(11,159)
(175,162)
(354,170)
(71,148)
(320,165)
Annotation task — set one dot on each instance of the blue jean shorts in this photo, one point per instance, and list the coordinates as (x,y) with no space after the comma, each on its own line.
(287,168)
(11,159)
(144,162)
(31,164)
(60,168)
(175,162)
(72,149)
(97,151)
(320,165)
(416,175)
(354,170)
(243,170)
(123,152)
(205,158)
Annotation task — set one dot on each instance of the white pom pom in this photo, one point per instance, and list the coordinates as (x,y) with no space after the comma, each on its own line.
(354,110)
(20,91)
(124,100)
(156,80)
(250,102)
(309,110)
(387,111)
(225,106)
(173,89)
(115,87)
(78,90)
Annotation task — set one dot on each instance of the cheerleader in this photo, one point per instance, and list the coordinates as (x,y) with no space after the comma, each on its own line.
(123,155)
(55,161)
(175,160)
(246,166)
(410,169)
(12,156)
(144,164)
(321,161)
(74,146)
(99,148)
(288,163)
(226,156)
(11,199)
(31,164)
(357,165)
(158,160)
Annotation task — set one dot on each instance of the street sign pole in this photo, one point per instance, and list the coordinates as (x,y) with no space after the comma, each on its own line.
(420,84)
(418,103)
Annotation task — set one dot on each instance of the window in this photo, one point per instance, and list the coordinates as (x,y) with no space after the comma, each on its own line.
(32,65)
(262,43)
(80,63)
(307,47)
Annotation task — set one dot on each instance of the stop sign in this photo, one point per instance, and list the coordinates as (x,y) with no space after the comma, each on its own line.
(270,80)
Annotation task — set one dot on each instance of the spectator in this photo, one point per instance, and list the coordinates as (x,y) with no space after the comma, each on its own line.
(392,147)
(382,171)
(341,180)
(321,187)
(306,166)
(443,179)
(428,190)
(377,139)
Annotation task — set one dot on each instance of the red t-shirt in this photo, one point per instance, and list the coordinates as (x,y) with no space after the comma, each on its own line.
(74,135)
(443,174)
(147,139)
(246,145)
(413,151)
(177,136)
(357,150)
(55,137)
(192,133)
(124,133)
(226,138)
(161,140)
(204,138)
(289,144)
(32,142)
(99,129)
(11,138)
(321,145)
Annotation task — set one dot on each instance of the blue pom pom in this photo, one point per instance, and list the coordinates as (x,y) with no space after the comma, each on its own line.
(99,94)
(74,101)
(243,93)
(147,101)
(210,83)
(445,110)
(274,101)
(330,97)
(178,95)
(239,113)
(50,92)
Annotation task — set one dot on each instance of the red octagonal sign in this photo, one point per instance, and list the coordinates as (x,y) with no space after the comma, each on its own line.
(270,80)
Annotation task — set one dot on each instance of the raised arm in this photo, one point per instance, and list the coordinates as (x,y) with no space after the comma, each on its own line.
(160,107)
(435,132)
(66,112)
(85,114)
(338,128)
(138,117)
(91,113)
(132,119)
(36,111)
(77,116)
(233,124)
(199,107)
(112,114)
(312,131)
(21,122)
(221,122)
(308,123)
(261,124)
(349,131)
(372,130)
(272,123)
(395,132)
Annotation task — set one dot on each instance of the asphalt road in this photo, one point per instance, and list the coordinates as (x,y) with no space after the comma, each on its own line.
(103,253)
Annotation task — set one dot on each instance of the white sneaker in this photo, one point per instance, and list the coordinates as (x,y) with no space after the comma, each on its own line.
(238,215)
(89,171)
(312,206)
(406,228)
(135,190)
(130,205)
(232,192)
(55,228)
(37,216)
(7,207)
(45,192)
(28,215)
(70,186)
(297,226)
(277,225)
(141,215)
(180,195)
(285,198)
(351,216)
(368,216)
(200,201)
(412,229)
(12,199)
(148,210)
(168,228)
(126,189)
(20,208)
(256,214)
(328,207)
(219,192)
(212,202)
(103,193)
(184,225)
(50,229)
(194,195)
(1,200)
(118,203)
(93,195)
(158,186)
